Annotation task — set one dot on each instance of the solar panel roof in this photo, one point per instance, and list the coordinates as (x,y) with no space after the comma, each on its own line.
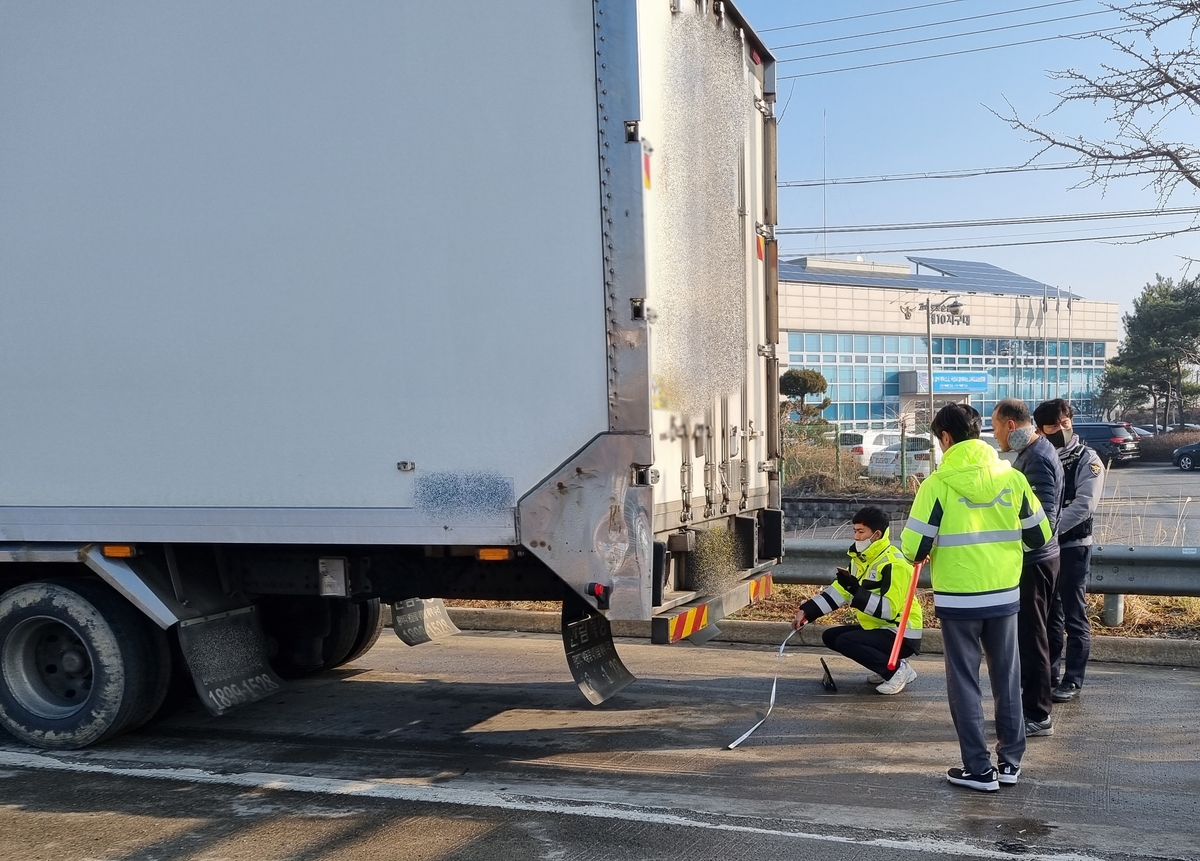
(960,276)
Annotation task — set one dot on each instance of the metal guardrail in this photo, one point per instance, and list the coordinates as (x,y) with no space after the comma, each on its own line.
(1116,569)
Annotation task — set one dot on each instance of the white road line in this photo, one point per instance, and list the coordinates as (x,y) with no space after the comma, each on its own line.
(486,798)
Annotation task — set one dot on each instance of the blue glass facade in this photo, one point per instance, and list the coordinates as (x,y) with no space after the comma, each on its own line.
(863,371)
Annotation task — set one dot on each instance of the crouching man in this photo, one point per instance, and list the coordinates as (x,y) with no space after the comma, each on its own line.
(876,586)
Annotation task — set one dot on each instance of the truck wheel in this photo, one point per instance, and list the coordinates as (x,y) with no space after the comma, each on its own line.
(308,634)
(370,624)
(344,624)
(79,664)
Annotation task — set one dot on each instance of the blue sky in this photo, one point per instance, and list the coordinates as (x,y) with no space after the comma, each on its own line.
(933,115)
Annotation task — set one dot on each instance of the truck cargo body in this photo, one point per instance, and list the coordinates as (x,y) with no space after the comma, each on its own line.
(312,300)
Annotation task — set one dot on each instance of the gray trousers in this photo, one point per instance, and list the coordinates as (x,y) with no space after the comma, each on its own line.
(965,641)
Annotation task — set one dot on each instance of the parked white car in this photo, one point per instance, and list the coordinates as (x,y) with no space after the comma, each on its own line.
(864,444)
(885,463)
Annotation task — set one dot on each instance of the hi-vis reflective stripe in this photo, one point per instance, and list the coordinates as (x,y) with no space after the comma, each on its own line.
(761,588)
(966,539)
(1033,519)
(689,622)
(979,599)
(920,526)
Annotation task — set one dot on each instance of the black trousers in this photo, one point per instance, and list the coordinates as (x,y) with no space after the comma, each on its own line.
(869,648)
(1069,618)
(1039,582)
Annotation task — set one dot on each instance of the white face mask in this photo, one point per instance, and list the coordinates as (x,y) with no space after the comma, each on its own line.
(861,546)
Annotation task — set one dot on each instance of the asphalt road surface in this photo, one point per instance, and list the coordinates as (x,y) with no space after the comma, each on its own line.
(480,747)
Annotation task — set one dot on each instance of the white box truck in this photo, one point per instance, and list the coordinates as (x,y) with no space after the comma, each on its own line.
(309,306)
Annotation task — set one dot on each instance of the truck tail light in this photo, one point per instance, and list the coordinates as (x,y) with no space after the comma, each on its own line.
(858,449)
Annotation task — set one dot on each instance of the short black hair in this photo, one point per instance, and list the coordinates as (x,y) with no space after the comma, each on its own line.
(1013,410)
(1053,411)
(961,421)
(874,517)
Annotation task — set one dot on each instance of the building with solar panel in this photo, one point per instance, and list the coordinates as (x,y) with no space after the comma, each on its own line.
(884,334)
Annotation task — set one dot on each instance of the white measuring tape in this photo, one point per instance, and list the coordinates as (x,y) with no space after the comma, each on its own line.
(770,705)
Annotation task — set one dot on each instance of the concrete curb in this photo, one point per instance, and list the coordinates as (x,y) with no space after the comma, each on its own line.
(1115,650)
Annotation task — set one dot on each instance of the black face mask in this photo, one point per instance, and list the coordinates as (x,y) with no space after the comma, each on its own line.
(1058,439)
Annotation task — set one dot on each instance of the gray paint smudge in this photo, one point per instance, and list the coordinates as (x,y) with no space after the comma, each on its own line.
(463,494)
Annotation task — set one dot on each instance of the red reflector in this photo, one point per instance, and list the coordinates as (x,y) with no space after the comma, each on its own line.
(754,56)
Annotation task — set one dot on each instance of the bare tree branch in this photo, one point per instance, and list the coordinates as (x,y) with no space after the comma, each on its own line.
(1151,96)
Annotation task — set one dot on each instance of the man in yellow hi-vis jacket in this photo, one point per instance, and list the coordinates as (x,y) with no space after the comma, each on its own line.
(875,586)
(973,520)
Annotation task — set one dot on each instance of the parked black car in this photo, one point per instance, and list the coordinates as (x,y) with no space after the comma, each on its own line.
(1115,442)
(1186,456)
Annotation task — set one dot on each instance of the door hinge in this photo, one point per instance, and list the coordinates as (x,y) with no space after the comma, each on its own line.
(644,476)
(766,231)
(767,351)
(768,466)
(764,107)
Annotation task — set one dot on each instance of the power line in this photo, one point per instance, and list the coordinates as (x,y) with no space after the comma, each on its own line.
(857,17)
(1163,228)
(922,26)
(964,173)
(950,53)
(989,245)
(990,222)
(944,37)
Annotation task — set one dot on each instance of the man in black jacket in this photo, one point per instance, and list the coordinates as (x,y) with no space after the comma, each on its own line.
(1038,461)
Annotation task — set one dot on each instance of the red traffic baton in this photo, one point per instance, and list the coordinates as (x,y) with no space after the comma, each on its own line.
(894,658)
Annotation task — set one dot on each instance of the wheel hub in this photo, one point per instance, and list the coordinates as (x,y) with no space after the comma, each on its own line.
(47,667)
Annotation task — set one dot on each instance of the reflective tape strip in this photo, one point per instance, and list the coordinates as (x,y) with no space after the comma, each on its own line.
(771,704)
(688,623)
(966,539)
(873,604)
(977,599)
(761,588)
(928,530)
(829,600)
(1033,520)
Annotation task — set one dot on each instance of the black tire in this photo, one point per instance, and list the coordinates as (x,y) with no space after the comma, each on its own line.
(78,664)
(370,625)
(344,624)
(1187,462)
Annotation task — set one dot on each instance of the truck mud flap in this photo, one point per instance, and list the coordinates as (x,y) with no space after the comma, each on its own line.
(422,620)
(696,621)
(227,655)
(591,653)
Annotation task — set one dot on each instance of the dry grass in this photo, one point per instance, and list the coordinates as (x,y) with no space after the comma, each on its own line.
(814,469)
(1168,618)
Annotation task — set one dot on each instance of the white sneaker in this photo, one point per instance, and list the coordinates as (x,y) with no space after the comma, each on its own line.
(874,679)
(903,675)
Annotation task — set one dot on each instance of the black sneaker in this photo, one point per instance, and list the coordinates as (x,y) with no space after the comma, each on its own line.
(1008,773)
(1065,692)
(1038,727)
(986,782)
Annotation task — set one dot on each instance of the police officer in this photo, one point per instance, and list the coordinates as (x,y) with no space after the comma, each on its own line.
(1083,486)
(973,519)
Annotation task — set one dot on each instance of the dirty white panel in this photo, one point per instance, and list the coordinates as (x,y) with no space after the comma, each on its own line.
(256,253)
